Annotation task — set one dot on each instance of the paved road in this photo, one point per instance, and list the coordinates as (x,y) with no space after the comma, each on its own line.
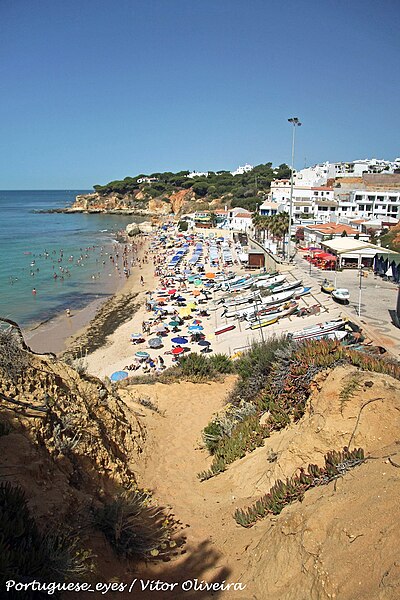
(378,298)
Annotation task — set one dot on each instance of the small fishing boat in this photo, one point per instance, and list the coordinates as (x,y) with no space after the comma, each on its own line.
(302,292)
(269,281)
(224,329)
(333,335)
(265,275)
(278,298)
(240,300)
(327,287)
(318,331)
(240,286)
(275,308)
(268,321)
(272,318)
(341,295)
(288,286)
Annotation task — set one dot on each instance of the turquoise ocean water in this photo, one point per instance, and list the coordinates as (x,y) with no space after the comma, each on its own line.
(34,246)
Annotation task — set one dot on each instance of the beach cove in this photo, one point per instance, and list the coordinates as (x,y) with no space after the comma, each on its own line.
(52,263)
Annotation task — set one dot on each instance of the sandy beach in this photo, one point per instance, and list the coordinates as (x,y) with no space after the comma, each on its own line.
(100,334)
(119,352)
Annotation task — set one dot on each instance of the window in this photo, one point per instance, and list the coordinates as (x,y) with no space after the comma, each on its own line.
(371,198)
(361,207)
(358,197)
(380,198)
(392,198)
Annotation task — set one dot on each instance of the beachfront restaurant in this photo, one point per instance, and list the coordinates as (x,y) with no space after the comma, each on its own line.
(353,254)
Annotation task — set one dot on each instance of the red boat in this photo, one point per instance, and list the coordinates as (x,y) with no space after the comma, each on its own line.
(224,329)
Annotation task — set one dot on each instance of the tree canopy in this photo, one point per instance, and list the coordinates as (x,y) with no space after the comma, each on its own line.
(246,190)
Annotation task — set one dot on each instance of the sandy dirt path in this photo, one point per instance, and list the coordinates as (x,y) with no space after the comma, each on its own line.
(172,458)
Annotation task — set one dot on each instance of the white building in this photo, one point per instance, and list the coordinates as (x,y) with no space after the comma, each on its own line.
(318,175)
(239,219)
(358,168)
(369,204)
(147,180)
(314,202)
(315,176)
(241,170)
(197,174)
(269,209)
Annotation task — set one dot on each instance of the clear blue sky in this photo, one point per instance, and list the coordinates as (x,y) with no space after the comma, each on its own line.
(94,90)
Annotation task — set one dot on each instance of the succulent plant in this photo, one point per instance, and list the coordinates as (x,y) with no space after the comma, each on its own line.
(293,489)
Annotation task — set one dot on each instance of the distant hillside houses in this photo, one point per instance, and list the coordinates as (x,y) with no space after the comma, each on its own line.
(321,174)
(239,171)
(147,180)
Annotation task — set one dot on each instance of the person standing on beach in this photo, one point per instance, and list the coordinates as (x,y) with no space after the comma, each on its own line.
(141,280)
(34,292)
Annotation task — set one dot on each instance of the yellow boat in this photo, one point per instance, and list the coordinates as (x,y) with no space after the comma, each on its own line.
(327,287)
(264,323)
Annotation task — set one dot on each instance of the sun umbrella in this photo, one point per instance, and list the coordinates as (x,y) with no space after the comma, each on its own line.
(191,305)
(196,322)
(141,354)
(136,336)
(179,340)
(195,328)
(155,342)
(196,292)
(171,292)
(119,375)
(204,343)
(198,282)
(160,329)
(210,275)
(177,351)
(174,323)
(185,312)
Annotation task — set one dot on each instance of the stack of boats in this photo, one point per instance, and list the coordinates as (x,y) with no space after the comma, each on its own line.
(269,300)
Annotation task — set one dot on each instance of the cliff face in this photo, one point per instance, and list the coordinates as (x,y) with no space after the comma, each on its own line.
(137,203)
(73,427)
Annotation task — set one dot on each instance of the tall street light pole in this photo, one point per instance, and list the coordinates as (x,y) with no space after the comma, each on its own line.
(296,123)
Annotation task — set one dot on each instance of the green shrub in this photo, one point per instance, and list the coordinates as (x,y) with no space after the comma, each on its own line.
(196,365)
(221,363)
(27,553)
(254,368)
(276,377)
(134,527)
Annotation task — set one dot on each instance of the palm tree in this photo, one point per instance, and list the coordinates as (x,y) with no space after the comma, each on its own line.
(257,221)
(279,225)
